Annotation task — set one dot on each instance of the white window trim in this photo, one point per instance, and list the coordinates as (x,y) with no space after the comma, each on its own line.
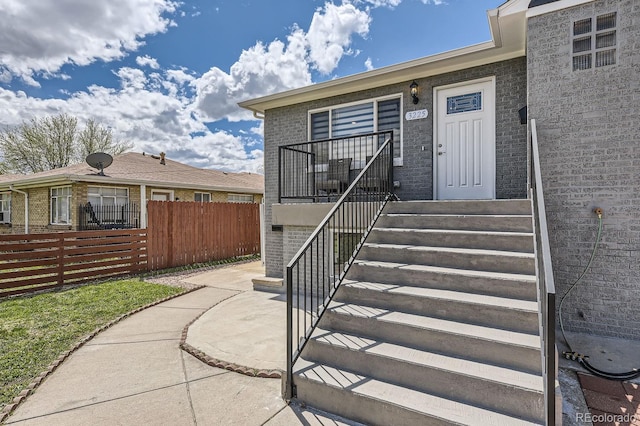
(202,193)
(8,218)
(69,197)
(109,187)
(241,195)
(396,161)
(163,191)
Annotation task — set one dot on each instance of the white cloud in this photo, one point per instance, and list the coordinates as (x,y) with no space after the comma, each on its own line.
(147,61)
(278,66)
(143,113)
(330,34)
(368,64)
(42,36)
(387,3)
(260,70)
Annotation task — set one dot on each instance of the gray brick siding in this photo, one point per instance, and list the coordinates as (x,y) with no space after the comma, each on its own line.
(589,136)
(288,125)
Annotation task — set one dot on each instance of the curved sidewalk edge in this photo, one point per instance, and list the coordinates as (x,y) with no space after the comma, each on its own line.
(22,396)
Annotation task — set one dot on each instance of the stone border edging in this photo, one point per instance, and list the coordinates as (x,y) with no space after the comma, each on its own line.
(22,396)
(214,362)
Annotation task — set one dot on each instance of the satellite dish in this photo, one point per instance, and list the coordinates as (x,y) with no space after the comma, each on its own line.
(100,161)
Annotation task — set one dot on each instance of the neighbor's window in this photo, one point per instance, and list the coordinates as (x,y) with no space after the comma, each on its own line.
(341,121)
(594,42)
(107,196)
(61,205)
(239,198)
(5,207)
(203,197)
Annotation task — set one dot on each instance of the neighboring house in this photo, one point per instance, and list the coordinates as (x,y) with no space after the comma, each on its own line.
(461,131)
(78,197)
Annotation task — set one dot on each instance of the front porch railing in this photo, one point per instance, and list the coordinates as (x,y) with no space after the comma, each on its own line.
(100,216)
(322,170)
(546,284)
(316,271)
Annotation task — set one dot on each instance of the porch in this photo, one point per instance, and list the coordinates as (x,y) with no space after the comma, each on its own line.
(105,216)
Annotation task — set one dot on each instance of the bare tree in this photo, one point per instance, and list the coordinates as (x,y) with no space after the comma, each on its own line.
(96,138)
(53,142)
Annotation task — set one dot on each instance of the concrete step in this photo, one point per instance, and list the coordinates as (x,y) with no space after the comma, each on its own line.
(464,207)
(506,241)
(478,343)
(490,311)
(457,258)
(504,223)
(499,389)
(377,402)
(514,286)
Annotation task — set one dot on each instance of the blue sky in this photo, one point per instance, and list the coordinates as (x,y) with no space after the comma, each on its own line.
(166,75)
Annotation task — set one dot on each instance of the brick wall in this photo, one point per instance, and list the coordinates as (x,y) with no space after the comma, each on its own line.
(589,136)
(289,125)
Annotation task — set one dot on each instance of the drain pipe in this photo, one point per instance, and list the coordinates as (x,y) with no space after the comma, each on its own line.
(26,207)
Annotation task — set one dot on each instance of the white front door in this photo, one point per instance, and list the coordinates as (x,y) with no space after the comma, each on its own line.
(465,145)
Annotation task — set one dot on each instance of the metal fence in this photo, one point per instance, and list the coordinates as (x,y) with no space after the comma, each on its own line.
(316,271)
(100,216)
(322,170)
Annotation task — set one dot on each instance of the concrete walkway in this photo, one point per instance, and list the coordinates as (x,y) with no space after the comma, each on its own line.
(134,373)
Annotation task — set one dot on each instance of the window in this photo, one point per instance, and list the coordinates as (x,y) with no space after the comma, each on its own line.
(107,196)
(594,42)
(203,197)
(61,205)
(5,207)
(359,118)
(239,198)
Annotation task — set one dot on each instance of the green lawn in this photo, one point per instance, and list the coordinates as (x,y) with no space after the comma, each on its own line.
(35,330)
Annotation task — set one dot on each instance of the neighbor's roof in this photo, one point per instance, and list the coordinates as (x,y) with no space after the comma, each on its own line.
(133,168)
(507,24)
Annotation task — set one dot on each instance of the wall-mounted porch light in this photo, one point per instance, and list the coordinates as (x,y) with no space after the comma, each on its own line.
(413,89)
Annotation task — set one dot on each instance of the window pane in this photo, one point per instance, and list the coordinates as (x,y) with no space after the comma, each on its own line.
(320,126)
(605,22)
(464,103)
(122,192)
(352,120)
(94,200)
(197,196)
(206,198)
(108,191)
(582,27)
(606,40)
(581,44)
(389,119)
(93,190)
(606,57)
(582,62)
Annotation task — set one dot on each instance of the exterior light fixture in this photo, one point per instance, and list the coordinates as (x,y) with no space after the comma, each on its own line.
(413,89)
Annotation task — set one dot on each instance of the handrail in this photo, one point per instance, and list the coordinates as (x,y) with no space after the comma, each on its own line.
(546,290)
(324,259)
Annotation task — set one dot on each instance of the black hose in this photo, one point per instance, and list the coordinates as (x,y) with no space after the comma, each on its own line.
(582,359)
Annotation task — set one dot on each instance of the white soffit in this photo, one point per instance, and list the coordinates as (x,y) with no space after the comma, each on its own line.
(508,31)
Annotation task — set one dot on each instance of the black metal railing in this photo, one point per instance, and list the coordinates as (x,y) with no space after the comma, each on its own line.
(316,271)
(546,284)
(322,170)
(99,216)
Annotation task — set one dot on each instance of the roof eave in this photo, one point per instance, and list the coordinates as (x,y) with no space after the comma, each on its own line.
(507,26)
(70,178)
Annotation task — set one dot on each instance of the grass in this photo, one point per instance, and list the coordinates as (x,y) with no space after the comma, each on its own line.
(35,330)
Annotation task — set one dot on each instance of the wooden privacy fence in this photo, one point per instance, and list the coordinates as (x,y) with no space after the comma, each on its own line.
(42,261)
(182,233)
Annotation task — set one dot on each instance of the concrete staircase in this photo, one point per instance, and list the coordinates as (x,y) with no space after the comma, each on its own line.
(436,322)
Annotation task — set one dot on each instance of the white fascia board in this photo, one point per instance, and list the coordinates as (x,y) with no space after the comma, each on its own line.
(106,180)
(554,7)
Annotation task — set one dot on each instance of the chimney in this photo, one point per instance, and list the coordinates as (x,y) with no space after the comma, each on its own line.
(162,154)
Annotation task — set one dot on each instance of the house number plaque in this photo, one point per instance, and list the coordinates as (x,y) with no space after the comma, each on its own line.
(416,115)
